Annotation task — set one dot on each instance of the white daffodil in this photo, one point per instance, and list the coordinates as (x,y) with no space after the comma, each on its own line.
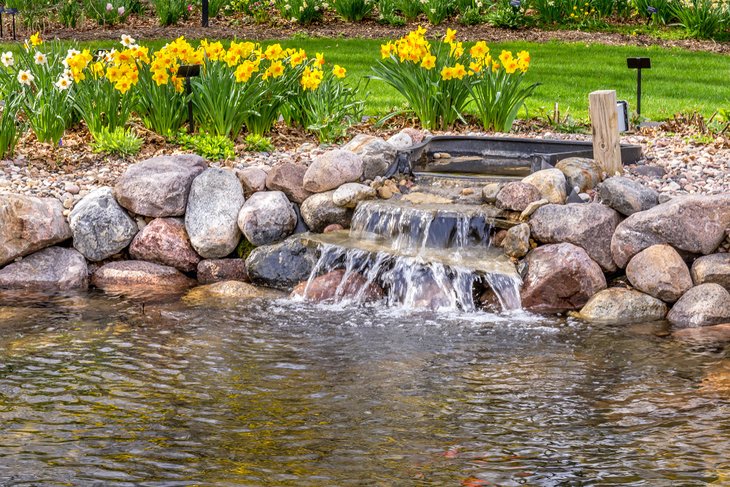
(63,83)
(25,77)
(7,59)
(40,58)
(127,40)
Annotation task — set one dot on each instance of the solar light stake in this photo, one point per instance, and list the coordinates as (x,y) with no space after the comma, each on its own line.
(187,72)
(2,9)
(204,21)
(638,63)
(12,12)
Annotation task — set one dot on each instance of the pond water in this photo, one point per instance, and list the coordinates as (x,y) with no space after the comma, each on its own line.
(98,391)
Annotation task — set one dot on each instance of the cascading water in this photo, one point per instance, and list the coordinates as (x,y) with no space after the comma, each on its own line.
(426,256)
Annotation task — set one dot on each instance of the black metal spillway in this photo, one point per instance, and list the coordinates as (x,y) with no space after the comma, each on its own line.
(506,157)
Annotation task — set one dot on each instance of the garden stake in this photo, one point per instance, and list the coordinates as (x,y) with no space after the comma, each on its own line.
(12,12)
(204,21)
(2,9)
(638,63)
(187,72)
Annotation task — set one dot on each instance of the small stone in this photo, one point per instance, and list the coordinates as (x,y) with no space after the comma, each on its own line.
(517,241)
(581,172)
(164,241)
(620,305)
(253,179)
(660,272)
(400,141)
(550,183)
(333,169)
(703,305)
(319,211)
(335,227)
(350,194)
(489,192)
(627,196)
(267,217)
(376,154)
(516,196)
(281,265)
(532,208)
(289,179)
(712,268)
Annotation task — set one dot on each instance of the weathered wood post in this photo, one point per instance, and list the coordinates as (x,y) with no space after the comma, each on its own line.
(604,124)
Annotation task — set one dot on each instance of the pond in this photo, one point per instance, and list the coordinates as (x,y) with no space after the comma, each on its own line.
(97,390)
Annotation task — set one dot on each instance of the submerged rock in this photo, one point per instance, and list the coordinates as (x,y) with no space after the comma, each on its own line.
(589,226)
(289,179)
(216,270)
(333,169)
(51,269)
(550,183)
(717,334)
(620,305)
(517,241)
(580,172)
(560,277)
(338,285)
(712,268)
(516,196)
(267,217)
(138,278)
(101,228)
(377,154)
(29,224)
(320,211)
(159,187)
(164,241)
(703,305)
(660,272)
(627,196)
(281,265)
(215,199)
(695,224)
(227,290)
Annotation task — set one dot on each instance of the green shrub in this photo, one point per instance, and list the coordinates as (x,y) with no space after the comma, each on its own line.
(69,13)
(437,10)
(509,14)
(258,143)
(388,13)
(301,11)
(10,127)
(211,147)
(353,10)
(410,9)
(119,11)
(169,12)
(119,142)
(658,11)
(702,19)
(162,108)
(256,9)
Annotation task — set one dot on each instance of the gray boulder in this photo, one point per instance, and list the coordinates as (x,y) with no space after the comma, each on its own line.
(377,154)
(703,305)
(350,194)
(712,268)
(159,186)
(516,196)
(333,169)
(550,183)
(517,241)
(660,272)
(626,195)
(51,269)
(101,228)
(621,305)
(320,210)
(694,224)
(582,172)
(29,224)
(289,179)
(560,277)
(281,265)
(589,226)
(215,199)
(267,217)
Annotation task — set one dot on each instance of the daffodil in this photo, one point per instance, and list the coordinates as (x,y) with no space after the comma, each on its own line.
(7,59)
(40,58)
(63,83)
(338,71)
(25,77)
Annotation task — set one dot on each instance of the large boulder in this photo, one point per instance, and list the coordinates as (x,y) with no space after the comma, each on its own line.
(377,154)
(281,265)
(139,278)
(703,305)
(627,196)
(712,268)
(660,272)
(253,180)
(517,241)
(621,305)
(320,210)
(165,241)
(580,172)
(333,169)
(589,226)
(516,196)
(159,187)
(550,183)
(28,224)
(337,286)
(216,270)
(560,277)
(101,228)
(694,224)
(350,194)
(267,217)
(51,269)
(215,199)
(289,179)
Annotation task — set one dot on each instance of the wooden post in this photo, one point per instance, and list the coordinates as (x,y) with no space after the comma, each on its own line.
(604,124)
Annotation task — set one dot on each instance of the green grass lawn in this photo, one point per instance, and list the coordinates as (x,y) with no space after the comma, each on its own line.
(679,80)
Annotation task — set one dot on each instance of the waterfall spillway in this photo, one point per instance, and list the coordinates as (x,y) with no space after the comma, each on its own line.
(422,256)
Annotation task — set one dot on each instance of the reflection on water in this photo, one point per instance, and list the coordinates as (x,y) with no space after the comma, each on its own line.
(93,392)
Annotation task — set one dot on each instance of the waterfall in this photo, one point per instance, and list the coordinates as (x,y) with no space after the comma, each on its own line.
(422,257)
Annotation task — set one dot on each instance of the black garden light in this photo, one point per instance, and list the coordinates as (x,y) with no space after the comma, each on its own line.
(204,8)
(187,72)
(638,63)
(13,12)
